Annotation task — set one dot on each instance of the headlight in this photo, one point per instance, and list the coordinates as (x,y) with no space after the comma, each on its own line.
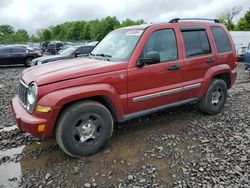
(32,97)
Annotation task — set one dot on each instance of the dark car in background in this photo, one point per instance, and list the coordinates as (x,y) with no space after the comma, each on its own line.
(241,53)
(18,55)
(44,46)
(247,59)
(69,53)
(54,47)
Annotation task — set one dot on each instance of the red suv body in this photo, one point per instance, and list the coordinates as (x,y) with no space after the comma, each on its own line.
(152,67)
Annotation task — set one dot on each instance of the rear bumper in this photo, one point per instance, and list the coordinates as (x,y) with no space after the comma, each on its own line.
(29,122)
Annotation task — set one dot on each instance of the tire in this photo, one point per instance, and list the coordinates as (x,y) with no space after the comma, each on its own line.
(28,61)
(79,123)
(215,98)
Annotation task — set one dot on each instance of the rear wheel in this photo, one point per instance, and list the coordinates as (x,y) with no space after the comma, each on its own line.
(215,98)
(28,61)
(83,128)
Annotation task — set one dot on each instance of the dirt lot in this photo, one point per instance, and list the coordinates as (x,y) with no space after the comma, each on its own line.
(176,148)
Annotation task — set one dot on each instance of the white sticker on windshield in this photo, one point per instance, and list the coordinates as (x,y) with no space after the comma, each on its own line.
(134,32)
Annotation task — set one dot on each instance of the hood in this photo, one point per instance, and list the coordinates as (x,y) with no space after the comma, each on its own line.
(49,58)
(68,69)
(53,58)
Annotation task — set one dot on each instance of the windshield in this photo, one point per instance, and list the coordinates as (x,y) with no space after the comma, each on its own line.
(117,45)
(68,51)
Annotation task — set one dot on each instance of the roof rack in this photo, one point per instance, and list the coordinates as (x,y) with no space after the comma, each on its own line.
(176,20)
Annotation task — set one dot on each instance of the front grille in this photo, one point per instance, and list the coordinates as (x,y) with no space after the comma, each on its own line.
(22,93)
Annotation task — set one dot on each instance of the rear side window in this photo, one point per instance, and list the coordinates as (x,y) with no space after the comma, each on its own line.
(5,50)
(196,43)
(85,50)
(221,40)
(164,42)
(18,50)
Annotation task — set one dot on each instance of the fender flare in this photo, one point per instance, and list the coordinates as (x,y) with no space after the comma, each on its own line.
(210,74)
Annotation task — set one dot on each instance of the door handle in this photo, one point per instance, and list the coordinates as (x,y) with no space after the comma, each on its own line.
(211,60)
(174,67)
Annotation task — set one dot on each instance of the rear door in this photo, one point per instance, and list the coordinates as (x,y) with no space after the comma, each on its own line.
(199,58)
(5,56)
(156,84)
(225,51)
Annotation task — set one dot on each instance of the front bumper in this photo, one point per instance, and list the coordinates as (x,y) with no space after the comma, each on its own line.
(29,122)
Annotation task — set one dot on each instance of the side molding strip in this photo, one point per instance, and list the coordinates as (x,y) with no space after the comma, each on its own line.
(167,92)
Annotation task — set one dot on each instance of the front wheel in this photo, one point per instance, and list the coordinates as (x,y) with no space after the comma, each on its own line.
(215,98)
(83,128)
(28,61)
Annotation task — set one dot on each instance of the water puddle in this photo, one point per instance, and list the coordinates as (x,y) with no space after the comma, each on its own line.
(10,171)
(12,151)
(6,129)
(2,86)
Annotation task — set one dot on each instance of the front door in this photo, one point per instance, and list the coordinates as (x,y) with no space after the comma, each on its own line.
(5,56)
(154,85)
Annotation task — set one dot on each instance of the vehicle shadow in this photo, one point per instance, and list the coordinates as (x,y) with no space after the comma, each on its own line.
(125,152)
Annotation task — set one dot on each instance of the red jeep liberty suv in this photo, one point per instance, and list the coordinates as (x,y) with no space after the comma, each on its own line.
(132,72)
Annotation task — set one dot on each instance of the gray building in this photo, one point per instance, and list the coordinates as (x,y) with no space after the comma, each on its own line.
(240,38)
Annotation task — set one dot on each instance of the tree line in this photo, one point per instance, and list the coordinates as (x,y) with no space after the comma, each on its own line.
(97,29)
(93,30)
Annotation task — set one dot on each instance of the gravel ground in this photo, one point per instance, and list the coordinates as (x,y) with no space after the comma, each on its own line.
(176,148)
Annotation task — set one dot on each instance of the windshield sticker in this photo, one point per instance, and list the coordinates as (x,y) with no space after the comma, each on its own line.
(134,32)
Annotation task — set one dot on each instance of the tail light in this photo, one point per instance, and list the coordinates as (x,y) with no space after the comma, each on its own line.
(235,63)
(39,53)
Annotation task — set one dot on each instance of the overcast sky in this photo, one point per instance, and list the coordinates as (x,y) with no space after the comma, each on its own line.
(32,15)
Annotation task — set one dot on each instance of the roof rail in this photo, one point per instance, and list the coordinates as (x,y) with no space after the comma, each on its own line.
(176,20)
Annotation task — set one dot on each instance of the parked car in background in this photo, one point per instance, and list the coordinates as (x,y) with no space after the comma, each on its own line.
(132,72)
(44,46)
(36,49)
(241,53)
(18,55)
(69,53)
(54,47)
(247,59)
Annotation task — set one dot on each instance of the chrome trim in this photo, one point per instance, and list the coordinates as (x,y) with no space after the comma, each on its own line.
(193,86)
(25,85)
(167,92)
(153,95)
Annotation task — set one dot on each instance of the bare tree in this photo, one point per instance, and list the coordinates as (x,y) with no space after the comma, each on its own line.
(228,15)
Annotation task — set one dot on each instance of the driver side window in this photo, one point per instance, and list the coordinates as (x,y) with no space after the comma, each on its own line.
(163,42)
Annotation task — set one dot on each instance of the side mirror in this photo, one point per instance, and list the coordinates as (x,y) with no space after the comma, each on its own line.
(152,57)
